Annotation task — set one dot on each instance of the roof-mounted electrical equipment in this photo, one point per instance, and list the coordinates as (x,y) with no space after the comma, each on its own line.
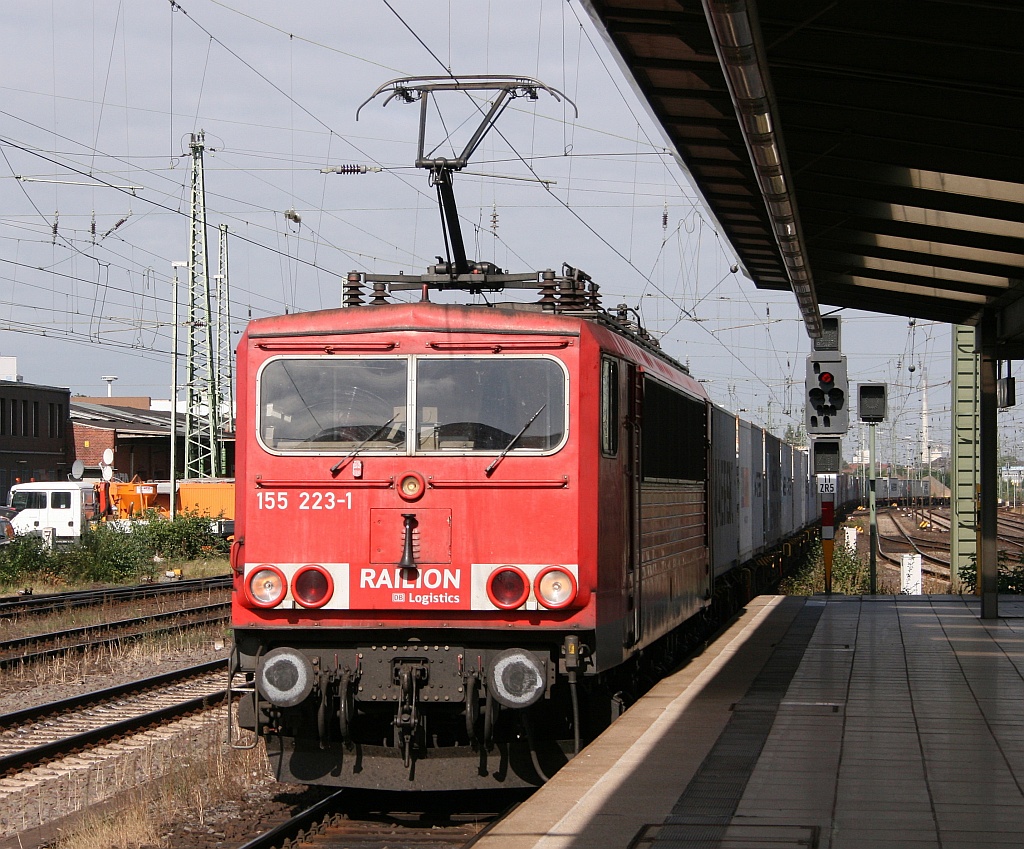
(460,272)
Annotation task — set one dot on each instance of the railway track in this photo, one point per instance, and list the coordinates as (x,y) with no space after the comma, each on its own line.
(17,606)
(932,564)
(38,735)
(38,647)
(353,820)
(933,545)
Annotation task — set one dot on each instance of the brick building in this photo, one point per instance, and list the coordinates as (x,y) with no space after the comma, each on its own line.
(138,437)
(34,430)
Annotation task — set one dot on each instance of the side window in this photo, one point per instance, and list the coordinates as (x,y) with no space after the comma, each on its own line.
(60,500)
(29,500)
(610,407)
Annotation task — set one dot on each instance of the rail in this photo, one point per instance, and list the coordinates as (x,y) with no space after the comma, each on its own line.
(15,651)
(18,730)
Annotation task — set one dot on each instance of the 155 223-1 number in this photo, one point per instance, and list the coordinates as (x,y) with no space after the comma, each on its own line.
(304,500)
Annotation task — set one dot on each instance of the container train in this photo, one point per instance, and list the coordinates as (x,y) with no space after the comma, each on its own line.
(459,528)
(467,534)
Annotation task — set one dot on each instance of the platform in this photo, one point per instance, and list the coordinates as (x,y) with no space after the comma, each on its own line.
(844,722)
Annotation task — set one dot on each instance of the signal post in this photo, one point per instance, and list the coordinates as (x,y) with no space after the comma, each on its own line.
(827,418)
(871,409)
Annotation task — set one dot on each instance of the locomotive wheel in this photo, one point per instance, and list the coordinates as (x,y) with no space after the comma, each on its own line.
(346,707)
(490,715)
(321,711)
(472,705)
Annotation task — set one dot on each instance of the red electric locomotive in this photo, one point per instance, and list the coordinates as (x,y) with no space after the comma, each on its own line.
(458,526)
(454,524)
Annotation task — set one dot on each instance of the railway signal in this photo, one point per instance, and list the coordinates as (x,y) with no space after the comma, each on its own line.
(828,392)
(871,401)
(826,456)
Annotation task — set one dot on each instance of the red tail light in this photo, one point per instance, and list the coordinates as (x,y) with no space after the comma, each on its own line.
(508,588)
(312,586)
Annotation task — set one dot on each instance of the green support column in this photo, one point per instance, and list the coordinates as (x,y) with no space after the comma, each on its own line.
(964,453)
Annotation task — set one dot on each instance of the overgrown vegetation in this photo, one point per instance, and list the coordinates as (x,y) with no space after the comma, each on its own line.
(1010,571)
(206,782)
(850,574)
(127,551)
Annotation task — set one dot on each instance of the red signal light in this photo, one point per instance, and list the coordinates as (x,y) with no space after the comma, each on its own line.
(827,378)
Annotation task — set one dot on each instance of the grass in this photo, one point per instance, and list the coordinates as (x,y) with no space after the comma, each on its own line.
(47,582)
(204,778)
(126,827)
(850,574)
(145,652)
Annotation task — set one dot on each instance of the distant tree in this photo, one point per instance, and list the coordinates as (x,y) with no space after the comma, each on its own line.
(795,435)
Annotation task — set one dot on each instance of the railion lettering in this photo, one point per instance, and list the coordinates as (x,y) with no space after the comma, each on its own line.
(391,579)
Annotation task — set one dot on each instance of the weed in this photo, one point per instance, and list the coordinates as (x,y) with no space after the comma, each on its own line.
(850,574)
(204,778)
(1010,572)
(111,553)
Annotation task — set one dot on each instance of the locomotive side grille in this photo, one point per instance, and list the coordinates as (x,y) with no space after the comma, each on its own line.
(674,564)
(672,526)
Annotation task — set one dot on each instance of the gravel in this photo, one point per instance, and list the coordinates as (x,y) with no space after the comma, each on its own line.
(60,799)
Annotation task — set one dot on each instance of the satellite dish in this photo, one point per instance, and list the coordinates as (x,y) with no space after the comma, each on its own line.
(107,472)
(77,470)
(108,456)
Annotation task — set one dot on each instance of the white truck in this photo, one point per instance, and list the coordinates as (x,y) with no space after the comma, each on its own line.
(54,509)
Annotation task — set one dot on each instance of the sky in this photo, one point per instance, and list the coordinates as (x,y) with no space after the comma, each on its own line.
(101,101)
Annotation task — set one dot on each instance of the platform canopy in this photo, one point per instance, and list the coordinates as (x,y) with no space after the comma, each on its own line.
(866,155)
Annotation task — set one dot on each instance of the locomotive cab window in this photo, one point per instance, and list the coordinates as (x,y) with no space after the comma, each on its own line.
(490,404)
(323,405)
(317,404)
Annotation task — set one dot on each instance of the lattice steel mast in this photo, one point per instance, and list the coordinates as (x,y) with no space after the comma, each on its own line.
(202,446)
(222,354)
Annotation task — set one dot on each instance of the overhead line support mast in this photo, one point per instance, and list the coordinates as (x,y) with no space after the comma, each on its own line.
(202,446)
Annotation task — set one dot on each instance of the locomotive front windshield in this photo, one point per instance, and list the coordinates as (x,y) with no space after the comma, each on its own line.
(455,404)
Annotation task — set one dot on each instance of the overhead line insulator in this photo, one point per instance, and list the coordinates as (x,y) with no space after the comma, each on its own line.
(350,169)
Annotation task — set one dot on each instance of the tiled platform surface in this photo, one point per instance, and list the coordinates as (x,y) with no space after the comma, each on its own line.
(839,722)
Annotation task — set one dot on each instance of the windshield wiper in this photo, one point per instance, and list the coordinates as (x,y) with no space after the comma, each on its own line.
(490,469)
(337,467)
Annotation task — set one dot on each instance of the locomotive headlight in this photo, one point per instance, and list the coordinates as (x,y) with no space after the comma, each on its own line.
(266,586)
(411,486)
(508,588)
(555,587)
(284,677)
(312,586)
(516,678)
